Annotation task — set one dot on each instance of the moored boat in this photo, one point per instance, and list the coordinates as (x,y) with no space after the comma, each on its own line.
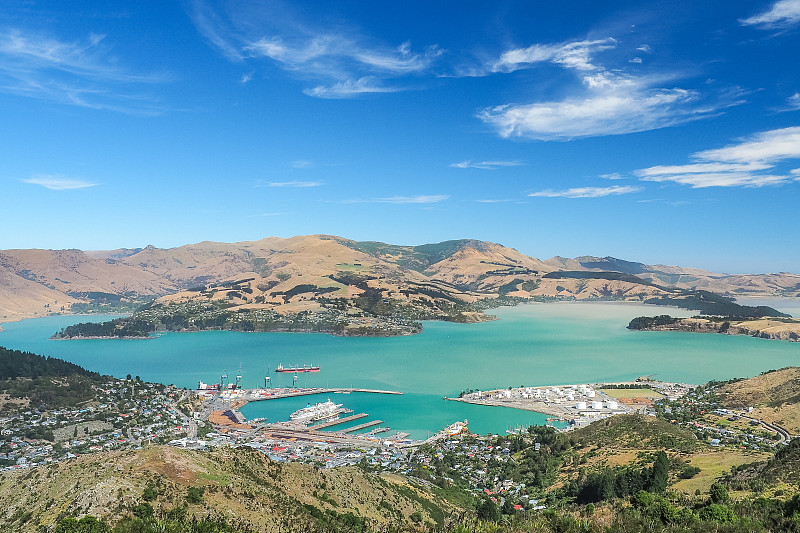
(319,411)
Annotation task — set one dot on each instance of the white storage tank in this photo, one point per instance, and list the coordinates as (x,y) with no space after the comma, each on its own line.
(612,405)
(597,405)
(580,406)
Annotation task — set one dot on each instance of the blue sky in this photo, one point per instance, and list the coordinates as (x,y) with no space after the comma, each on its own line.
(662,132)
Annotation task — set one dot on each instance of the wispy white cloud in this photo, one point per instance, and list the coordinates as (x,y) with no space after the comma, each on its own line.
(575,55)
(350,88)
(302,163)
(782,13)
(214,27)
(340,59)
(299,184)
(720,179)
(79,73)
(612,176)
(611,107)
(794,102)
(258,215)
(765,147)
(738,165)
(420,199)
(610,102)
(486,165)
(701,168)
(324,54)
(645,48)
(246,78)
(58,182)
(587,192)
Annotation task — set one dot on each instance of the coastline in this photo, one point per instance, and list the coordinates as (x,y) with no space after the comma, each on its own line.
(357,331)
(526,405)
(762,328)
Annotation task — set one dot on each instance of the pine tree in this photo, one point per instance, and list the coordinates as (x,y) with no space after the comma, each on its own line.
(659,473)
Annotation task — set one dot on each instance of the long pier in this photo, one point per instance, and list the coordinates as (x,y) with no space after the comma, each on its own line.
(254,395)
(338,421)
(362,426)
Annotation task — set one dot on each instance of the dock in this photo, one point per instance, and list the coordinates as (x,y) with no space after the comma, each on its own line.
(362,426)
(338,421)
(254,395)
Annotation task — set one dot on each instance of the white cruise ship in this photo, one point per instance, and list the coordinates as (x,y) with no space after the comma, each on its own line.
(316,412)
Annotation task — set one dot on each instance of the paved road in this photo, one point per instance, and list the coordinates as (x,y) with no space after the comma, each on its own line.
(783,435)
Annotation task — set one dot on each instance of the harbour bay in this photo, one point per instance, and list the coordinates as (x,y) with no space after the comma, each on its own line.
(537,344)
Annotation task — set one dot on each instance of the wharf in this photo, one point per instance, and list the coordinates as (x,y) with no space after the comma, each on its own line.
(362,426)
(252,395)
(338,421)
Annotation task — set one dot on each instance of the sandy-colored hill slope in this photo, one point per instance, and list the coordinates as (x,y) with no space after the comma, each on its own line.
(780,284)
(241,482)
(486,265)
(73,271)
(774,395)
(427,275)
(22,298)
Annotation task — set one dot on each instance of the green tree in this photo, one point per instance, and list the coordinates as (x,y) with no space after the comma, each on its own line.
(718,493)
(194,495)
(487,510)
(87,524)
(718,513)
(660,473)
(150,493)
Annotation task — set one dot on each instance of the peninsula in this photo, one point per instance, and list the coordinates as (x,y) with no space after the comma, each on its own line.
(773,327)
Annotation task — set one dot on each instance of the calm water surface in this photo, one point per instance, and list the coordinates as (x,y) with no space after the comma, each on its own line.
(537,344)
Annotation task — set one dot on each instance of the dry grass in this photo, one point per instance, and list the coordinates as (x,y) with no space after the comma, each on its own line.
(775,395)
(262,494)
(712,464)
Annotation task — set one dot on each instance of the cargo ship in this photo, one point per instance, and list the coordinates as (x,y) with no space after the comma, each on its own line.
(304,368)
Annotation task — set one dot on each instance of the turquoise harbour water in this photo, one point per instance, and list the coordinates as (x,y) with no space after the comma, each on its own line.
(537,344)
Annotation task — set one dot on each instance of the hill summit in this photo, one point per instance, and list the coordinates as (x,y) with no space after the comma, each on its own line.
(343,279)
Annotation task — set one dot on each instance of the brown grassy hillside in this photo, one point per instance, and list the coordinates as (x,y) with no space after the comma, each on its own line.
(38,282)
(241,483)
(775,396)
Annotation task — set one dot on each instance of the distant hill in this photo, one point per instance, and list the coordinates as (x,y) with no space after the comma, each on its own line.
(302,273)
